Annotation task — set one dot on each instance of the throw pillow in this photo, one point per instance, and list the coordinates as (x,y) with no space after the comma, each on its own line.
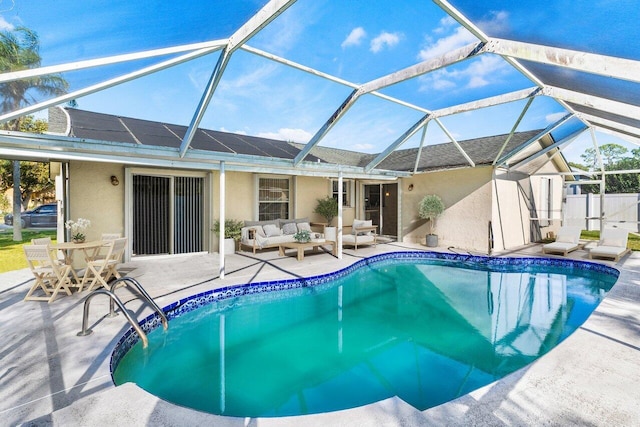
(357,223)
(271,230)
(304,226)
(289,228)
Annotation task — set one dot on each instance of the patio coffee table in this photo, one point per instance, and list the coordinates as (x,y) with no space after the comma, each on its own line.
(302,246)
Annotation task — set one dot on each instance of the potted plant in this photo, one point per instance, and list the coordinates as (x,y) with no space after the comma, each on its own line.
(327,208)
(431,207)
(78,229)
(302,236)
(232,233)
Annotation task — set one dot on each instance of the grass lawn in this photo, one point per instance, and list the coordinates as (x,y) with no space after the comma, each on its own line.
(11,253)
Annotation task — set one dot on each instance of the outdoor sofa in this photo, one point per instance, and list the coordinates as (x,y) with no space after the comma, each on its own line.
(258,235)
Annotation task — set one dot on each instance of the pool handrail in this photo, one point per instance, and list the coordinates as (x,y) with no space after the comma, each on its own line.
(128,281)
(85,317)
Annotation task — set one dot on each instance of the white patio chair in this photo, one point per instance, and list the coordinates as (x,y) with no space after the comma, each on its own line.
(99,271)
(51,276)
(568,240)
(612,244)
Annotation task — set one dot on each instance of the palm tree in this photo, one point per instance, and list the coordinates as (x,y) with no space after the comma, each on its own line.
(19,50)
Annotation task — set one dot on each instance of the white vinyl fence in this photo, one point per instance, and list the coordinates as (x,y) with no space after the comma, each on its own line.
(620,210)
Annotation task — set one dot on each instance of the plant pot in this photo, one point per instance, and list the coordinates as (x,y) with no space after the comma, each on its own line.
(229,246)
(330,234)
(432,240)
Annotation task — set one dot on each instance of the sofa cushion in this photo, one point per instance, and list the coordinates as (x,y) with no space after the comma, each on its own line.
(289,228)
(304,226)
(272,230)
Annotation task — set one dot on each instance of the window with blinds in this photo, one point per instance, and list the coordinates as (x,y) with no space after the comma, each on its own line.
(273,198)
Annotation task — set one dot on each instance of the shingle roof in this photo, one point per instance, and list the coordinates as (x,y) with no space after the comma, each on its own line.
(105,127)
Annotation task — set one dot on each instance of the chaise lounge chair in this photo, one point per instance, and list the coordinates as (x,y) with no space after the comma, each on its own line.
(612,244)
(568,240)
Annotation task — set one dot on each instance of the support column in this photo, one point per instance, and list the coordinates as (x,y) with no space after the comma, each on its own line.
(339,234)
(222,219)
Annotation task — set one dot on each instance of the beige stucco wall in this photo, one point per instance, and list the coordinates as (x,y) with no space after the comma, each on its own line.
(92,196)
(511,218)
(466,194)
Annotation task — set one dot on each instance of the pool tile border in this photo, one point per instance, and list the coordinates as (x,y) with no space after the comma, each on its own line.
(185,305)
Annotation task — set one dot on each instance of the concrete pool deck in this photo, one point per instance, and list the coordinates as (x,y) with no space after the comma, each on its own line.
(50,376)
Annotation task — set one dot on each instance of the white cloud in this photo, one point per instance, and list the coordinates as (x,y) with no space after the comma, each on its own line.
(459,38)
(354,38)
(384,39)
(480,72)
(237,132)
(286,134)
(4,25)
(552,118)
(445,23)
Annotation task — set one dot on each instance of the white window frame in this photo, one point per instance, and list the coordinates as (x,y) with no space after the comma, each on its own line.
(257,193)
(348,196)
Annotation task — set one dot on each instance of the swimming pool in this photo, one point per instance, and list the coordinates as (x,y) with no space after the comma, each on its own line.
(425,327)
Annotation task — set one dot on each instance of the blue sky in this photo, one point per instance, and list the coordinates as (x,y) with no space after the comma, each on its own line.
(357,41)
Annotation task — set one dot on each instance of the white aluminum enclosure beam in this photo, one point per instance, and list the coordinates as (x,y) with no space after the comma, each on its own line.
(99,62)
(388,80)
(212,84)
(422,139)
(513,129)
(329,77)
(264,16)
(595,102)
(453,140)
(424,67)
(106,84)
(398,142)
(545,150)
(524,145)
(628,133)
(488,102)
(341,111)
(476,31)
(609,66)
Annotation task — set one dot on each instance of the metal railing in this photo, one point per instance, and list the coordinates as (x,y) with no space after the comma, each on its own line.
(114,300)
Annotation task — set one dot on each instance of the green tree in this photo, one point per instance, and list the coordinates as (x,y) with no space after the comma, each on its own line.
(610,154)
(19,50)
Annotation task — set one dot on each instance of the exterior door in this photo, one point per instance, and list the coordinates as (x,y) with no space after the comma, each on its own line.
(168,214)
(381,207)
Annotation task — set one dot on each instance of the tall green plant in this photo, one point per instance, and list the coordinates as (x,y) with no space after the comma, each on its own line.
(327,208)
(430,207)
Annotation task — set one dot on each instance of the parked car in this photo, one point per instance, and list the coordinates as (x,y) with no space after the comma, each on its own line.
(42,216)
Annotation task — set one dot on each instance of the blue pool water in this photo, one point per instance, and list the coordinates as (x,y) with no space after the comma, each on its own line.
(426,328)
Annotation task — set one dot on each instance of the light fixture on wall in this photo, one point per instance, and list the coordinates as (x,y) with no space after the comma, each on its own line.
(114,180)
(410,188)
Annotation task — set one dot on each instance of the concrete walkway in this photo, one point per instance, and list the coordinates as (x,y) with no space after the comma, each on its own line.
(50,376)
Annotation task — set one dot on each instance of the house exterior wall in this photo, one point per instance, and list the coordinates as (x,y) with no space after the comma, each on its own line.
(511,219)
(92,196)
(466,194)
